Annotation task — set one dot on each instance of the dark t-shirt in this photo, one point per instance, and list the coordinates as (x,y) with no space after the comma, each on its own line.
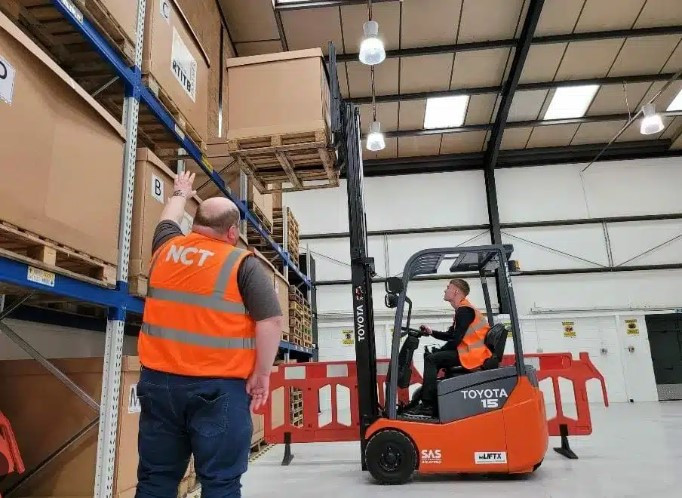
(256,288)
(464,317)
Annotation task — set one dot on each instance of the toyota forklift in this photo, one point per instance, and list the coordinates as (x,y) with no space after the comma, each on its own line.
(491,420)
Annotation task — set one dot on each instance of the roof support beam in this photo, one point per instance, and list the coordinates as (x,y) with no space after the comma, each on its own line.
(511,42)
(319,4)
(541,85)
(519,124)
(520,158)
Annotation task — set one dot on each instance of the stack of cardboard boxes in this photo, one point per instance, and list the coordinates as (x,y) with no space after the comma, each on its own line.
(60,209)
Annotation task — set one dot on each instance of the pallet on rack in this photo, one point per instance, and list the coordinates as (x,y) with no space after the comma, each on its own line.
(138,285)
(293,241)
(295,295)
(41,20)
(173,110)
(305,160)
(43,253)
(260,216)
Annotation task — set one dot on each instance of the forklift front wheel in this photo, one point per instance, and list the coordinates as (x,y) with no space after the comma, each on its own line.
(391,457)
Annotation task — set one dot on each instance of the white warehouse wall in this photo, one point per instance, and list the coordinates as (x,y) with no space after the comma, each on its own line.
(544,193)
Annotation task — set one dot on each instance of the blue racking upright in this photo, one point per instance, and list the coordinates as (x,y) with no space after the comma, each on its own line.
(118,301)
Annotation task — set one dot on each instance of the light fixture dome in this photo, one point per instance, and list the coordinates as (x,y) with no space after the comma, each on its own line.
(375,139)
(372,50)
(651,122)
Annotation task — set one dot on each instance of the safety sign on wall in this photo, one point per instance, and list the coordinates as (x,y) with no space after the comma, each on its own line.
(632,327)
(347,338)
(569,329)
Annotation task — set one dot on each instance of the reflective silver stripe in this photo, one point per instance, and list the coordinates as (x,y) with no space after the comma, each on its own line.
(226,271)
(196,339)
(210,302)
(478,322)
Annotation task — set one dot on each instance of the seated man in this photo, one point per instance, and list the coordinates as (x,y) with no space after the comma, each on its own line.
(464,344)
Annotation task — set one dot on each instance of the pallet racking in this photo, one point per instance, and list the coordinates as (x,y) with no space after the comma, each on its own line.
(23,278)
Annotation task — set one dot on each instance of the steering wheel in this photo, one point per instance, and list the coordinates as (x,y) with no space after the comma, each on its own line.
(412,332)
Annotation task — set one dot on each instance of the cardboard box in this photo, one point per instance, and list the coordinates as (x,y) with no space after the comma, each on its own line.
(123,12)
(275,94)
(262,201)
(63,152)
(177,62)
(282,291)
(44,414)
(153,187)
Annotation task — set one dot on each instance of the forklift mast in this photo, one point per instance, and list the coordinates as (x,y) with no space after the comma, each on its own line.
(362,269)
(345,121)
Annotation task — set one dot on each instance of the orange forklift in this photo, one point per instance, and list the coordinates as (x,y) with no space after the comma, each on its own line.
(491,420)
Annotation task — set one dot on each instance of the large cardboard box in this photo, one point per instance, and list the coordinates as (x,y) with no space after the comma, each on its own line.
(45,414)
(263,202)
(153,187)
(62,153)
(282,291)
(276,94)
(176,62)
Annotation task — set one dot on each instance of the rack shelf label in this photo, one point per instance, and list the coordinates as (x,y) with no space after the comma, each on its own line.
(7,74)
(165,10)
(73,9)
(183,66)
(157,188)
(40,276)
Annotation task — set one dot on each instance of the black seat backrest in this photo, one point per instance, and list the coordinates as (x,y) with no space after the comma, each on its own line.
(495,340)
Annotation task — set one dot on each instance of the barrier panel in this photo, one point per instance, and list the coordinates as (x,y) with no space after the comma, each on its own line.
(10,459)
(313,378)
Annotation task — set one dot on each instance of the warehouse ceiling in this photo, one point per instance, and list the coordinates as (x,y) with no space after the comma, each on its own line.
(629,48)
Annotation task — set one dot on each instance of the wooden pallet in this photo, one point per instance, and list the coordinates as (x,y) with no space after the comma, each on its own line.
(138,285)
(258,446)
(41,20)
(257,453)
(174,111)
(258,213)
(305,160)
(37,251)
(296,295)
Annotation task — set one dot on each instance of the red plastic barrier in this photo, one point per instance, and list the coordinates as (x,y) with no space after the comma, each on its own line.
(311,378)
(562,365)
(10,459)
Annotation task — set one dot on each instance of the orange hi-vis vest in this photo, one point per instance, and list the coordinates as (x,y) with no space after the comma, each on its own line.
(195,322)
(472,350)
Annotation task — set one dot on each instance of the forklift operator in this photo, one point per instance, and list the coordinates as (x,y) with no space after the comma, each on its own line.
(464,344)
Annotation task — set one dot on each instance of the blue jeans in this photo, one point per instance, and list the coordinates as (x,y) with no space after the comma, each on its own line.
(181,416)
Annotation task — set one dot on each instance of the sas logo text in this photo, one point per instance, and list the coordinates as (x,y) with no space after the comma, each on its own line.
(487,457)
(431,456)
(188,255)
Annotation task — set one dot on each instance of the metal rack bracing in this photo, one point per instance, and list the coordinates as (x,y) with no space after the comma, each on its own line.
(118,301)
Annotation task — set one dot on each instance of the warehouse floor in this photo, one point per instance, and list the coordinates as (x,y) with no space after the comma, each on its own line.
(634,451)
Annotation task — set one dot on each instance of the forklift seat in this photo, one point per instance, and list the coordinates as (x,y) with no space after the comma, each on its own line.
(495,340)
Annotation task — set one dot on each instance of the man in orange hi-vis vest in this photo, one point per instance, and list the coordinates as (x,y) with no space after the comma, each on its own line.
(465,344)
(210,333)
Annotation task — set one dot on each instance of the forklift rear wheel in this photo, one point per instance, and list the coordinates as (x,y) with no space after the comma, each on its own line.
(391,457)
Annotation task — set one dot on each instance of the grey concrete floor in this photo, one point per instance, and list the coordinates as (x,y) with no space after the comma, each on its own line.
(635,450)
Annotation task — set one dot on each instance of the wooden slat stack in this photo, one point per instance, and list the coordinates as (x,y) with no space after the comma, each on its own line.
(292,245)
(300,318)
